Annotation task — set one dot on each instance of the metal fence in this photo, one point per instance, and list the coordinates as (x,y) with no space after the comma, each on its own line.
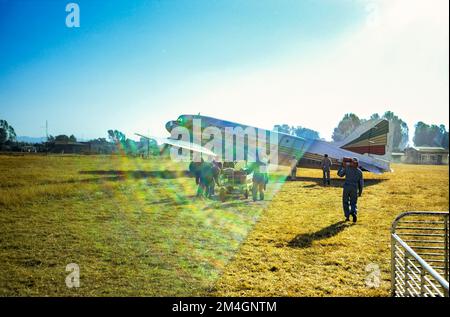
(419,261)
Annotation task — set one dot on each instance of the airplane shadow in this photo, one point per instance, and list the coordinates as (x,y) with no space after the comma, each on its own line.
(238,201)
(114,176)
(181,200)
(335,182)
(305,240)
(138,174)
(92,180)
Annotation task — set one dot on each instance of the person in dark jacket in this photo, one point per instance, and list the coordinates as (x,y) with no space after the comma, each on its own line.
(194,169)
(353,187)
(216,169)
(208,178)
(326,166)
(293,163)
(260,179)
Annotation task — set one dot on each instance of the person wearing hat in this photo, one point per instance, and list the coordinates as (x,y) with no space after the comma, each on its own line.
(353,187)
(260,178)
(208,174)
(293,163)
(326,166)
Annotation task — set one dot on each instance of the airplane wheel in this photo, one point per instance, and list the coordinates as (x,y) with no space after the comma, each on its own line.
(222,194)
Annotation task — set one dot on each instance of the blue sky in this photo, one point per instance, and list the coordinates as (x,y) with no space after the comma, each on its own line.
(133,65)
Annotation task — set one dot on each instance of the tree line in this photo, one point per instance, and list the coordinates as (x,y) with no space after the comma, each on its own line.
(424,134)
(431,135)
(297,131)
(128,146)
(116,142)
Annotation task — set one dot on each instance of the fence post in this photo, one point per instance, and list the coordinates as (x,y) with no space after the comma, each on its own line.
(446,248)
(406,273)
(393,275)
(422,281)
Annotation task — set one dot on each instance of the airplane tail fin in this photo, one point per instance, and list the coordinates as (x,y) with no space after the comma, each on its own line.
(373,138)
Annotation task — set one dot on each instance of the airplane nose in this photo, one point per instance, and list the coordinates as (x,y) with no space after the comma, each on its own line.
(170,125)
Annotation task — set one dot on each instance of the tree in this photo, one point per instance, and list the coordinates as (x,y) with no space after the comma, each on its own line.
(99,141)
(283,128)
(400,131)
(116,136)
(347,125)
(7,133)
(297,131)
(148,146)
(62,138)
(420,134)
(444,138)
(12,134)
(3,136)
(305,133)
(124,144)
(130,146)
(72,138)
(430,135)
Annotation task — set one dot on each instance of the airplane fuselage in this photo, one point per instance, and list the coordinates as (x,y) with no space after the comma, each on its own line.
(287,146)
(307,152)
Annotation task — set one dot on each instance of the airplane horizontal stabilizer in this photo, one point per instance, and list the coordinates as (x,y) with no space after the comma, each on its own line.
(372,138)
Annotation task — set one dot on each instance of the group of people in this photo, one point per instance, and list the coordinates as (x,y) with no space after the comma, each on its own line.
(353,185)
(207,176)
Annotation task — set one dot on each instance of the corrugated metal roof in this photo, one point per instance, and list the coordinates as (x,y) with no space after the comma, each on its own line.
(430,149)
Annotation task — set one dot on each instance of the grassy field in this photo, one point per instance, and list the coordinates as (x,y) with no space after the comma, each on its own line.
(135,227)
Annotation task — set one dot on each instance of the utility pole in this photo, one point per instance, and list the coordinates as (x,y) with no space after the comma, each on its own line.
(148,146)
(46,136)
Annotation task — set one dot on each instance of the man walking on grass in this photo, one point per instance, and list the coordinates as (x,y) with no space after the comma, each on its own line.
(326,166)
(293,163)
(353,187)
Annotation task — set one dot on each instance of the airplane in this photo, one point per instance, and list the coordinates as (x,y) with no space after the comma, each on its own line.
(370,143)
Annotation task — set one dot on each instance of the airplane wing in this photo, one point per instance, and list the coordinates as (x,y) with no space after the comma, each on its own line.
(179,143)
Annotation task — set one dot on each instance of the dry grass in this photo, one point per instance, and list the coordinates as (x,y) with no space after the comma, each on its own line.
(135,228)
(300,247)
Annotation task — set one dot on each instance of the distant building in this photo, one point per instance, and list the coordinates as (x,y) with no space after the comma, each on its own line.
(426,155)
(398,157)
(96,147)
(29,148)
(66,147)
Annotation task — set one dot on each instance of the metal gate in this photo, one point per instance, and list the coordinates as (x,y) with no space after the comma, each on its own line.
(419,260)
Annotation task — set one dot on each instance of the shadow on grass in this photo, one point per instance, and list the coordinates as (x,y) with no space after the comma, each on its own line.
(110,176)
(335,182)
(176,200)
(233,202)
(305,240)
(93,180)
(139,174)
